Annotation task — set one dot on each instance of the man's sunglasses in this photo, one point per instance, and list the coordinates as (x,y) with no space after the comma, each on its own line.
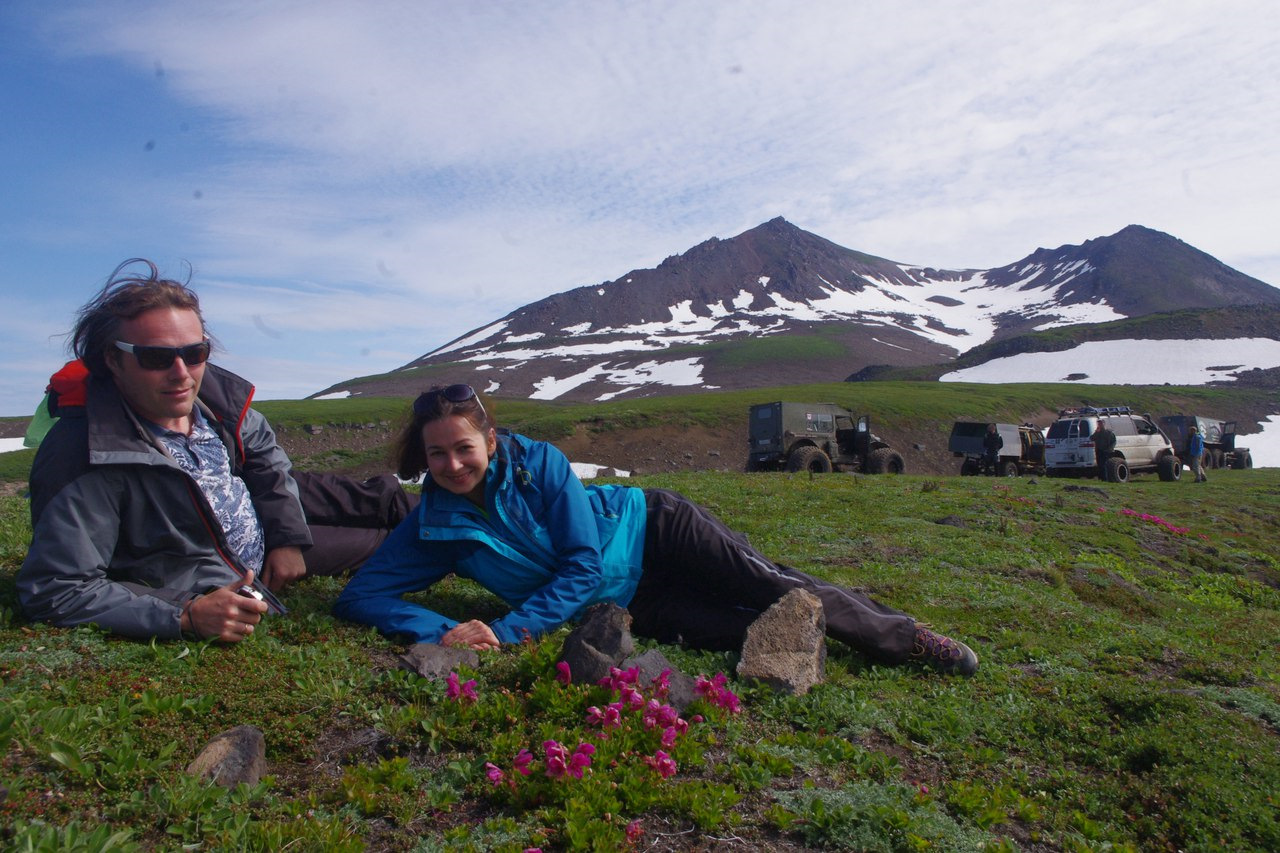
(427,404)
(161,358)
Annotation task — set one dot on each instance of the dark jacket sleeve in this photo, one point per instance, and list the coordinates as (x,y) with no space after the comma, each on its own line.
(266,472)
(65,578)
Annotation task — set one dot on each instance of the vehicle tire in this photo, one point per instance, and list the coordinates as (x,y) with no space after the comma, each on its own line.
(1169,467)
(885,460)
(969,468)
(1009,468)
(810,459)
(1212,459)
(1117,470)
(1242,461)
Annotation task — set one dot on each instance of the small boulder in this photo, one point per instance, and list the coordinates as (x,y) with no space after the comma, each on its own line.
(786,646)
(432,660)
(234,756)
(601,642)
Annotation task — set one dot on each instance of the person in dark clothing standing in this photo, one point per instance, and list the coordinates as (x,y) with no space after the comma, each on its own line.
(1195,454)
(1104,444)
(992,444)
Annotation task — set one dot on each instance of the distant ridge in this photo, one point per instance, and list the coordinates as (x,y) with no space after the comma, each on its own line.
(778,305)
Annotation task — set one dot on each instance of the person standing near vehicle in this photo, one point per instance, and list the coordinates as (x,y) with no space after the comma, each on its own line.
(992,443)
(1104,444)
(1195,454)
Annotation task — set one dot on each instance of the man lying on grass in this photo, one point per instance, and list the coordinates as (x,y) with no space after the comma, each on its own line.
(161,504)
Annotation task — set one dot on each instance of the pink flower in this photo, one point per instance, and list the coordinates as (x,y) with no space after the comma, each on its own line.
(609,718)
(619,678)
(494,773)
(523,759)
(663,763)
(460,692)
(557,758)
(662,684)
(634,831)
(715,692)
(581,760)
(631,699)
(562,673)
(669,736)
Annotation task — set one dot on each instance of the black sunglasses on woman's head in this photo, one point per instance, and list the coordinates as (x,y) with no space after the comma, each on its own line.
(162,358)
(426,402)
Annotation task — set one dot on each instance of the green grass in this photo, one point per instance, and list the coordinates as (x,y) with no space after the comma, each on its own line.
(1129,696)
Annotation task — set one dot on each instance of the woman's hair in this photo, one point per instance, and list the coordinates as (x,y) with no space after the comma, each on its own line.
(126,295)
(437,402)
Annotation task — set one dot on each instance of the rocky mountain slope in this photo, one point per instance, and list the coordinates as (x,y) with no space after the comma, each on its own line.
(779,305)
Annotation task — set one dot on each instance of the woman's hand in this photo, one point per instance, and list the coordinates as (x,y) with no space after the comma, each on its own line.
(473,634)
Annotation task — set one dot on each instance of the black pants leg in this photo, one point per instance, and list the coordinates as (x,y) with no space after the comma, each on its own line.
(703,585)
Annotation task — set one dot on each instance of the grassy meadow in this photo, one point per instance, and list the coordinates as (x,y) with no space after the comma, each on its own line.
(1128,697)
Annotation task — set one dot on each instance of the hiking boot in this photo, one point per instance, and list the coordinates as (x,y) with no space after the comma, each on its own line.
(948,656)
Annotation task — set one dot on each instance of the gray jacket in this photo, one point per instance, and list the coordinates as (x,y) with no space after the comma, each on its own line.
(122,536)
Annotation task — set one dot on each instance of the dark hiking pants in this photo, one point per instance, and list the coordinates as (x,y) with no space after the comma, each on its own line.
(348,518)
(702,585)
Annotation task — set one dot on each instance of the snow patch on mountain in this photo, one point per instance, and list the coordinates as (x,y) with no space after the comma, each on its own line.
(682,373)
(1130,362)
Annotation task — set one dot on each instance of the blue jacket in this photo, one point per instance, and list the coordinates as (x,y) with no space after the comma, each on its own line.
(545,544)
(1195,445)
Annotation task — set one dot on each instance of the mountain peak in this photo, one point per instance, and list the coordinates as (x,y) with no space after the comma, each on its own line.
(778,305)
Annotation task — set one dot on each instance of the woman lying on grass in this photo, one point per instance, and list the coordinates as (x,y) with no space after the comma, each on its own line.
(509,513)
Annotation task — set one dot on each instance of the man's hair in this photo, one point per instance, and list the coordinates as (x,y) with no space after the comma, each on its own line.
(125,296)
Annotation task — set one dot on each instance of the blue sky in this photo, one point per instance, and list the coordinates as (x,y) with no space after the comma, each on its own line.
(355,184)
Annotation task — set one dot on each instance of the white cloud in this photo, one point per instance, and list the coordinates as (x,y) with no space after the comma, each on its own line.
(439,164)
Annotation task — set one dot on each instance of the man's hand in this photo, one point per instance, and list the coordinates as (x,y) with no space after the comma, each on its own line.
(472,635)
(224,614)
(282,567)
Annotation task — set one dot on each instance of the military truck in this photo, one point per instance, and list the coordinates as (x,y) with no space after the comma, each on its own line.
(1220,449)
(1022,453)
(816,437)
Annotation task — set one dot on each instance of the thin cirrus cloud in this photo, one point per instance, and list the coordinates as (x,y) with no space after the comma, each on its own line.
(402,172)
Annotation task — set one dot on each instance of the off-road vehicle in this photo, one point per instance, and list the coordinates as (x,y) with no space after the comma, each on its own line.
(817,437)
(1220,450)
(1140,445)
(1022,453)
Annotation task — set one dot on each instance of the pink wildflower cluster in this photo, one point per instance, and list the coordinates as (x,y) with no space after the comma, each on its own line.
(460,692)
(655,714)
(715,692)
(558,763)
(663,763)
(1159,522)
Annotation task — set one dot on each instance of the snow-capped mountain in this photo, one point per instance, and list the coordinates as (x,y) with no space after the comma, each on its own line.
(777,305)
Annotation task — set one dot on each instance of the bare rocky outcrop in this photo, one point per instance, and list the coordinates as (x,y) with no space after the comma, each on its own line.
(786,646)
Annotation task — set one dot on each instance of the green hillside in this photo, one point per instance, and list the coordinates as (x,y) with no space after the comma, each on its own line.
(1128,698)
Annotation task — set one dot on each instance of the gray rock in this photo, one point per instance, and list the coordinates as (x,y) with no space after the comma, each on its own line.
(432,660)
(786,646)
(651,665)
(601,642)
(952,521)
(234,756)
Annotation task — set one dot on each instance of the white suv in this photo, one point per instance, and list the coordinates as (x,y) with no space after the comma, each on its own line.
(1140,445)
